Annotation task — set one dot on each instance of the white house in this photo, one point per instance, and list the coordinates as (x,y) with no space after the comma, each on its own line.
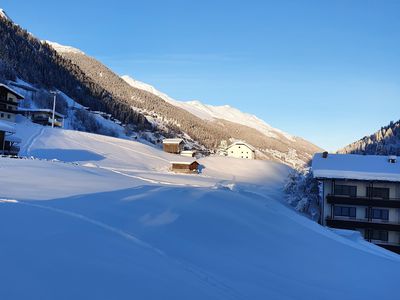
(241,150)
(361,192)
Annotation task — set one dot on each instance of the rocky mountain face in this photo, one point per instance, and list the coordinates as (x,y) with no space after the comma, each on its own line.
(386,141)
(90,83)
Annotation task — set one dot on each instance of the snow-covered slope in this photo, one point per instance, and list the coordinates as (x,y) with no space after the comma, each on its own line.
(111,222)
(210,112)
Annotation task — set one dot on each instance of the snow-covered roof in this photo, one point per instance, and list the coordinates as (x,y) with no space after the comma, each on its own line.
(172,141)
(356,167)
(45,110)
(7,126)
(10,90)
(240,143)
(183,162)
(13,139)
(188,151)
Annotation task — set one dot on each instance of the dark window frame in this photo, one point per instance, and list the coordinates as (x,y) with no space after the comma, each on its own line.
(345,211)
(345,190)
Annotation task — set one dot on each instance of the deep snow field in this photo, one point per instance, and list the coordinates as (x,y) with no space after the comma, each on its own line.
(103,218)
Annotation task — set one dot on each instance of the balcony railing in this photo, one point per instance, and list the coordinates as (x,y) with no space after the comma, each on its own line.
(8,102)
(364,201)
(353,223)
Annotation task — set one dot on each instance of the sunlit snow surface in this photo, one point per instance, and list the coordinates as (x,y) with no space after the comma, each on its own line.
(103,218)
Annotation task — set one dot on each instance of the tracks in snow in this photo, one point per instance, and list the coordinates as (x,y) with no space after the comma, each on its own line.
(202,275)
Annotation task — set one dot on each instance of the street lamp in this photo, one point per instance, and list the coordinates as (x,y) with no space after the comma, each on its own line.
(54,107)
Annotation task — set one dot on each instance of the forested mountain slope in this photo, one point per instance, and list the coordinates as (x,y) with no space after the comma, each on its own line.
(208,132)
(386,141)
(93,85)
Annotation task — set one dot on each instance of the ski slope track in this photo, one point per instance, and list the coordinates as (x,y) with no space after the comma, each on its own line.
(94,217)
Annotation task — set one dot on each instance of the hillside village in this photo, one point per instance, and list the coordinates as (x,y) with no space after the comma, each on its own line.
(9,109)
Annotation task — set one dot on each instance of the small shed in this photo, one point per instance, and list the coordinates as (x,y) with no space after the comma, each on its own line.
(185,167)
(189,153)
(174,146)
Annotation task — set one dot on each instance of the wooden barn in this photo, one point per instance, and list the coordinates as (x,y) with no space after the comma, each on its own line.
(187,167)
(174,146)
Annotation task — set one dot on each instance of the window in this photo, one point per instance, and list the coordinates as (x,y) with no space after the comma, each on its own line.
(378,192)
(8,116)
(380,235)
(346,190)
(377,213)
(2,115)
(344,211)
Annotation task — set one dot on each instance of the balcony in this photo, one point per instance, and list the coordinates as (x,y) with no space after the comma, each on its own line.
(364,201)
(5,101)
(349,223)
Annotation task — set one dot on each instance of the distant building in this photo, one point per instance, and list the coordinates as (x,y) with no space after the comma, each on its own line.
(361,192)
(185,167)
(189,153)
(8,142)
(173,145)
(43,116)
(241,150)
(8,103)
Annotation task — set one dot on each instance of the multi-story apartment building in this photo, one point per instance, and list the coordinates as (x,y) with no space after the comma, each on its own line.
(8,103)
(361,192)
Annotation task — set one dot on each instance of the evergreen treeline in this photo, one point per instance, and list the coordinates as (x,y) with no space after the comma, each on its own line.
(35,62)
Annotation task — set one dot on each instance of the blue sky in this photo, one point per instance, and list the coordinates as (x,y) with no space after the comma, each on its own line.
(328,71)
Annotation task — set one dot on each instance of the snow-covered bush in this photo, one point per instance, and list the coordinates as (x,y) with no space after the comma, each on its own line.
(303,192)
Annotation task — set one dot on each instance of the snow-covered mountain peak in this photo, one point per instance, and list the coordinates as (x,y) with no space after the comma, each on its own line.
(64,49)
(3,14)
(211,112)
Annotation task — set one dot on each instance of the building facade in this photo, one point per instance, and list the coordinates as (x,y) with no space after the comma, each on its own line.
(8,103)
(241,150)
(361,193)
(43,117)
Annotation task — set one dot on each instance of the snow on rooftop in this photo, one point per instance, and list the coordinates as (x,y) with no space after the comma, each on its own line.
(13,139)
(356,167)
(188,162)
(242,143)
(64,49)
(172,141)
(7,126)
(44,110)
(18,95)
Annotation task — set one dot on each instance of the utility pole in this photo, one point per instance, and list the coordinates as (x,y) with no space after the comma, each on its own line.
(54,107)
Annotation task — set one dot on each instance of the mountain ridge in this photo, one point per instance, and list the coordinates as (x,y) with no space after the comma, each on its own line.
(93,85)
